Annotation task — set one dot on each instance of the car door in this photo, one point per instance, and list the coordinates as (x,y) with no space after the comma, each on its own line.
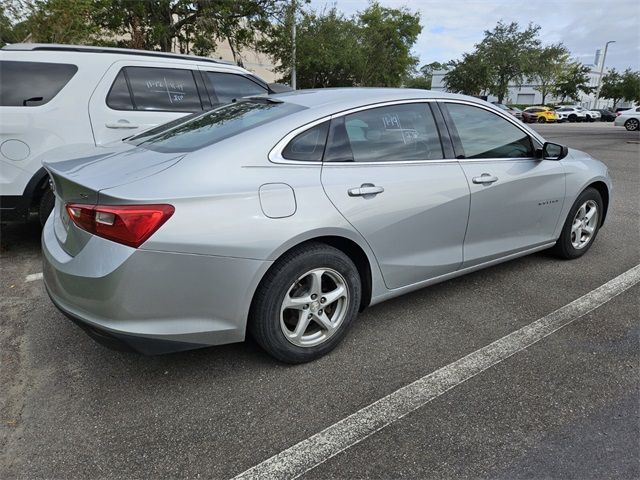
(134,96)
(385,170)
(516,197)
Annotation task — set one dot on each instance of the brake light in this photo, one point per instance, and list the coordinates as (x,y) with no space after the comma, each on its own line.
(129,225)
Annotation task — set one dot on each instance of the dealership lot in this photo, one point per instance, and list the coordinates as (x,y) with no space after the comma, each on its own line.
(566,406)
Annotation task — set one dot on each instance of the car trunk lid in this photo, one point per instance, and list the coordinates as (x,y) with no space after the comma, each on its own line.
(81,178)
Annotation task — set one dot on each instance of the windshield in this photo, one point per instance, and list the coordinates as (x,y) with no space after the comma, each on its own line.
(197,131)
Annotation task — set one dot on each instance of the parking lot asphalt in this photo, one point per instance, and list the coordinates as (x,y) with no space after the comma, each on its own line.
(566,407)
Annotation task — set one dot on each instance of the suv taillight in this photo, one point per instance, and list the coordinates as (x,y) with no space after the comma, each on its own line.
(129,225)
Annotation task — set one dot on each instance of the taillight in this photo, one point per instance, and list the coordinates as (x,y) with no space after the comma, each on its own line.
(130,225)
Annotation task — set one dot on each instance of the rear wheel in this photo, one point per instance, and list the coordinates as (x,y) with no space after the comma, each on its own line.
(541,119)
(581,226)
(588,118)
(47,201)
(632,124)
(306,303)
(573,118)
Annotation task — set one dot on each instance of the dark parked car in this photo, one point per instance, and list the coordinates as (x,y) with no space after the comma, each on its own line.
(606,115)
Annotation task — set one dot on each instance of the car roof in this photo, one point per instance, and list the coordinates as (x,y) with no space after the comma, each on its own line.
(350,97)
(122,51)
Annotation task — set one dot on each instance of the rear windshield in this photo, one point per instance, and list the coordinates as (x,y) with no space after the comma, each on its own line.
(200,130)
(29,84)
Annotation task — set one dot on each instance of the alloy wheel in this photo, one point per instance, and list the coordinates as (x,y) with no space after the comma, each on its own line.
(314,307)
(632,124)
(584,224)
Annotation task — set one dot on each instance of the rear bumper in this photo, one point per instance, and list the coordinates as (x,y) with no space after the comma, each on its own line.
(149,301)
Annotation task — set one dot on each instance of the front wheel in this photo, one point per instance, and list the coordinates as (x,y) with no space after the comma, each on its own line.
(632,124)
(541,120)
(581,226)
(573,118)
(306,303)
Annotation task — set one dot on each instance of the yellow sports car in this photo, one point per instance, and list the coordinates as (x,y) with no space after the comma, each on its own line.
(539,115)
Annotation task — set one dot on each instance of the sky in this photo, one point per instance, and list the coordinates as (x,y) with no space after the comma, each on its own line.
(452,27)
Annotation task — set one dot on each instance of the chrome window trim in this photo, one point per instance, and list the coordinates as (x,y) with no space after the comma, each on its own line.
(275,155)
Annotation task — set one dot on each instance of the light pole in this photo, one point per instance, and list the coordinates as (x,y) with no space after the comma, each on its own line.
(604,58)
(293,44)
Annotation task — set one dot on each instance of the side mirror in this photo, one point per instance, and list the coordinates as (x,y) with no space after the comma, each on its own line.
(554,151)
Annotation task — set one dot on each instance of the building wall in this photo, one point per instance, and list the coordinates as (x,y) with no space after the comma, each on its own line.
(527,94)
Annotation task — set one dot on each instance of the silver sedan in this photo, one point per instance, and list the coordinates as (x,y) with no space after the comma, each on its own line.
(284,216)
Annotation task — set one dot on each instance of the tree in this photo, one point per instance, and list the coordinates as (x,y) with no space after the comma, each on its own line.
(510,55)
(334,50)
(630,87)
(548,64)
(471,75)
(192,26)
(571,81)
(422,77)
(386,36)
(612,87)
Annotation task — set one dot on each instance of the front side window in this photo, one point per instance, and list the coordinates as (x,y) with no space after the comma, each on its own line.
(484,134)
(163,89)
(198,131)
(30,84)
(404,132)
(226,87)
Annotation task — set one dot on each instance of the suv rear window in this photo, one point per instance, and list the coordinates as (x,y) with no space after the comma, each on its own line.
(30,84)
(198,131)
(226,87)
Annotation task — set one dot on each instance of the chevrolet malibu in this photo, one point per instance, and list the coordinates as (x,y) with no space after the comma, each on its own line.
(285,216)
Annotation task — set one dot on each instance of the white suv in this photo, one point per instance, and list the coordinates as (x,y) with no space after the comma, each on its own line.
(571,113)
(54,95)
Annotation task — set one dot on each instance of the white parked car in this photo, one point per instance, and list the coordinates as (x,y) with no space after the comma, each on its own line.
(571,113)
(54,95)
(629,119)
(593,115)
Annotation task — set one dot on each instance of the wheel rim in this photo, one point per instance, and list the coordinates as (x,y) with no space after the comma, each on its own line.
(314,307)
(632,124)
(584,224)
(540,119)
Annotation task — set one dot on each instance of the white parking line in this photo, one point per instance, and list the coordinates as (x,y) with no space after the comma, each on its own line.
(33,277)
(319,448)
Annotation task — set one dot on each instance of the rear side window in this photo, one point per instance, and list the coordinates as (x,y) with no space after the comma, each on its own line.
(226,87)
(30,84)
(308,146)
(484,134)
(119,97)
(405,132)
(163,89)
(199,131)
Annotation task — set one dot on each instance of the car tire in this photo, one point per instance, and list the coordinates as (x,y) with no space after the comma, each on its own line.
(541,120)
(47,202)
(587,118)
(575,242)
(281,330)
(573,118)
(632,124)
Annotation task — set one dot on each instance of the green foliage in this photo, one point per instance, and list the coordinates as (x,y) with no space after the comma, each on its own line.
(548,63)
(509,54)
(371,48)
(621,86)
(472,75)
(191,26)
(571,81)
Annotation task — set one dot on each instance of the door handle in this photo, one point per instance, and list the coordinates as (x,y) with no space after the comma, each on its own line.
(485,179)
(365,190)
(121,124)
